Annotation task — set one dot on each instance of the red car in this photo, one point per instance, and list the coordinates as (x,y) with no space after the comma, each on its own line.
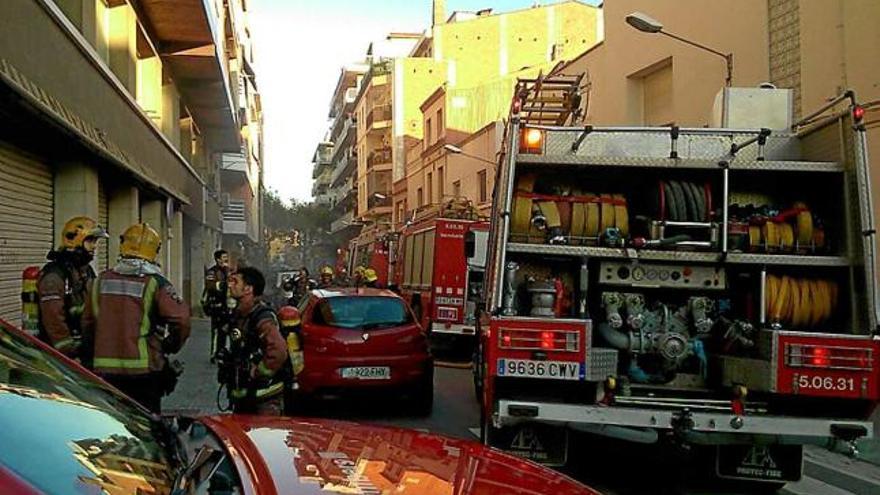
(67,432)
(362,338)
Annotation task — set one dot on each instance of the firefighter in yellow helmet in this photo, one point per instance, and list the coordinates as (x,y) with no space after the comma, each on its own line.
(358,275)
(135,319)
(62,284)
(327,275)
(371,279)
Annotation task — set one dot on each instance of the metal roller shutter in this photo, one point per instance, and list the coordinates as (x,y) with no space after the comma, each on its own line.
(102,254)
(26,208)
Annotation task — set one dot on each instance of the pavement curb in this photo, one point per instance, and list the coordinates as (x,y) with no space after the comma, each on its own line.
(841,472)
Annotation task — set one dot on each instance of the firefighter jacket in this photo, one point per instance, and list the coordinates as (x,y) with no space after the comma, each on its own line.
(216,294)
(260,329)
(134,317)
(61,290)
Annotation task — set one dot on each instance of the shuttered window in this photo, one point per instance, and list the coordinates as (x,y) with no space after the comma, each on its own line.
(26,209)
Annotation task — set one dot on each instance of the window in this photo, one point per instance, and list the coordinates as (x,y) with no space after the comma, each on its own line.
(456,188)
(441,190)
(440,127)
(484,187)
(361,312)
(428,134)
(430,187)
(420,199)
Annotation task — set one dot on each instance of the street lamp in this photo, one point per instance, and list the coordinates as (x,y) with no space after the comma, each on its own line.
(647,24)
(379,196)
(455,150)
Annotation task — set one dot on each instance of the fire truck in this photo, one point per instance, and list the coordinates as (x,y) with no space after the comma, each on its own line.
(708,288)
(437,277)
(371,251)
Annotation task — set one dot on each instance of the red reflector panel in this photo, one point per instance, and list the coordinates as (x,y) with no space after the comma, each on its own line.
(830,357)
(546,340)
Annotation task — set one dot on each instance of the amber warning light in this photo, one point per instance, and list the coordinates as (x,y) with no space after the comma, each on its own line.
(531,141)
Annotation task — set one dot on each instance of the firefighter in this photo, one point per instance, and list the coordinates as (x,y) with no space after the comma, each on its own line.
(215,300)
(358,276)
(264,347)
(135,318)
(326,277)
(62,285)
(371,279)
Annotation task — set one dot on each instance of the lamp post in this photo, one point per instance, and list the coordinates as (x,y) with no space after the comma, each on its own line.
(455,150)
(646,24)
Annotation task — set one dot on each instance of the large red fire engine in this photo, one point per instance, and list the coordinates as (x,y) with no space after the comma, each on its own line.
(707,287)
(437,278)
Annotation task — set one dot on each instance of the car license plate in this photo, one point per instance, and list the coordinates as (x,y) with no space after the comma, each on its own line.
(554,370)
(760,462)
(367,372)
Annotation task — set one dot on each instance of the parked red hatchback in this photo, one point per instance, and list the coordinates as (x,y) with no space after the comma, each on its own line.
(364,339)
(66,432)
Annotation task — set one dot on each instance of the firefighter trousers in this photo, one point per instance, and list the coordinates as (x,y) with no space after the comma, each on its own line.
(218,335)
(145,389)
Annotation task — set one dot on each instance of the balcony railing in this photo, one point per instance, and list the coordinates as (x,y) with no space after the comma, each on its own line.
(379,157)
(378,202)
(343,222)
(236,162)
(234,215)
(379,113)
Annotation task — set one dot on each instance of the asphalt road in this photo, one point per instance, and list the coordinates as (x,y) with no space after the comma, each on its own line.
(609,466)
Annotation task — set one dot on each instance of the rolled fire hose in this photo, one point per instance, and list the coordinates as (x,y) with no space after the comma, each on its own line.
(621,215)
(578,218)
(800,303)
(522,207)
(591,228)
(804,225)
(607,207)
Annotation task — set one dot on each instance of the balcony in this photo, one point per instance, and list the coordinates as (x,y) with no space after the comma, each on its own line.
(379,157)
(377,201)
(234,162)
(379,113)
(346,221)
(234,216)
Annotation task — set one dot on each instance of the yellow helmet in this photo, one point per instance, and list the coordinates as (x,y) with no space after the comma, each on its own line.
(78,229)
(327,270)
(140,241)
(359,270)
(370,275)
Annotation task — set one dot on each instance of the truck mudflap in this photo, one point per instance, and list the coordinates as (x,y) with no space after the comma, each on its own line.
(696,427)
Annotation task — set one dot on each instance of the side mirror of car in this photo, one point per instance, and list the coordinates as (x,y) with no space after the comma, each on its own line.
(470,244)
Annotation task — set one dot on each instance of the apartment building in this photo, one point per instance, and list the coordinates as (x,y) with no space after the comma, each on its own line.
(120,110)
(242,171)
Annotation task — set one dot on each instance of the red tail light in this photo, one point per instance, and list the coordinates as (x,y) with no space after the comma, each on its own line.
(548,341)
(507,340)
(819,357)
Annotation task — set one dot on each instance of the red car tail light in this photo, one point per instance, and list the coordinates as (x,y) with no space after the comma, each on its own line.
(547,341)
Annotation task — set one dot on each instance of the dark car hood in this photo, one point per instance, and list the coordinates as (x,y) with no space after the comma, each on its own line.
(314,456)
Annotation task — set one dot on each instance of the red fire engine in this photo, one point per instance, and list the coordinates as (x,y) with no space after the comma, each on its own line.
(713,288)
(435,275)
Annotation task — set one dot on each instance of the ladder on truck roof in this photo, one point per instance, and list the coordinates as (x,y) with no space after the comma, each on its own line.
(548,100)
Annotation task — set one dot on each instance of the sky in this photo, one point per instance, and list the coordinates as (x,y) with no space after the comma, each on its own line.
(299,48)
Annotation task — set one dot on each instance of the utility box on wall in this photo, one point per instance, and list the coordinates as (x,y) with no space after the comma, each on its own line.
(752,108)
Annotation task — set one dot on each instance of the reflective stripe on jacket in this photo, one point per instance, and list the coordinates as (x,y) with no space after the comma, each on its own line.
(122,317)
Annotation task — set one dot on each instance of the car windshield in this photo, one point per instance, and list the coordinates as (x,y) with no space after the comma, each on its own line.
(359,312)
(95,440)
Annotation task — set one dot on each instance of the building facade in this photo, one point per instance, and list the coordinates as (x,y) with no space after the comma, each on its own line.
(242,171)
(118,110)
